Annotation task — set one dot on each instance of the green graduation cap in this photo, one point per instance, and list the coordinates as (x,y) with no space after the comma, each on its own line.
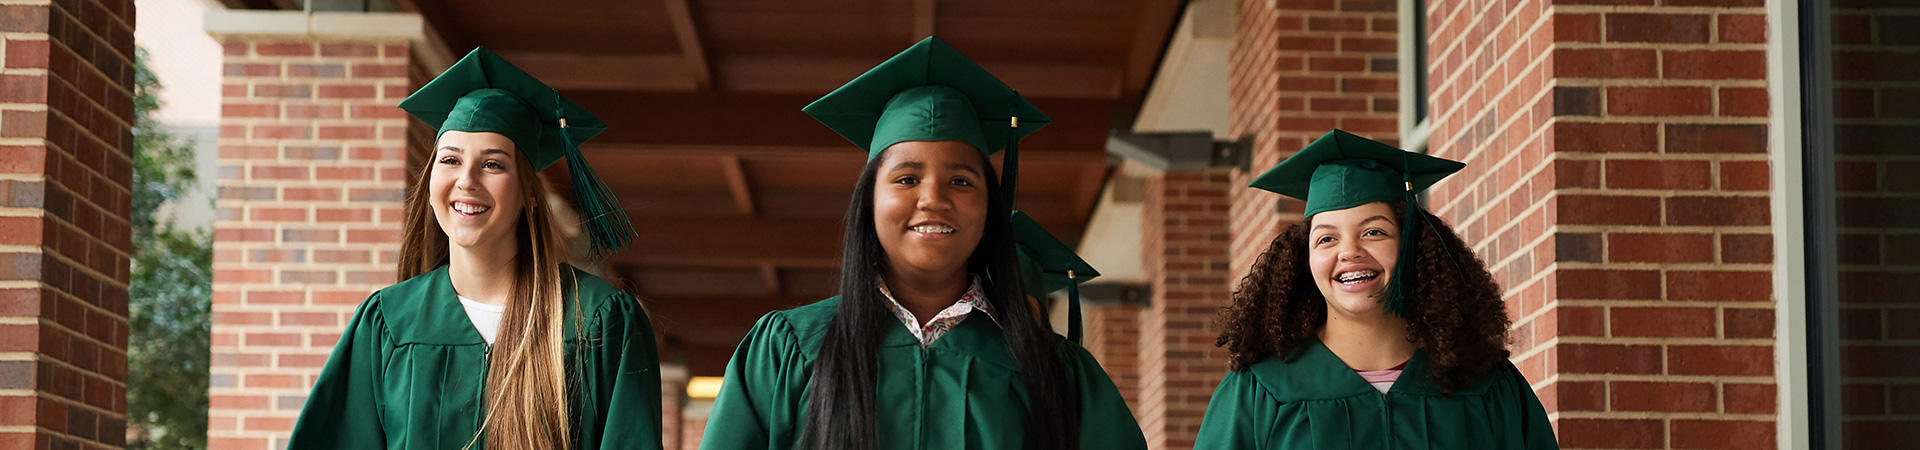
(485,93)
(1047,265)
(930,92)
(1341,170)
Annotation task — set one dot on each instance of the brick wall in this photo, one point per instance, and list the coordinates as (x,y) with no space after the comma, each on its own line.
(673,401)
(310,194)
(1184,254)
(1617,188)
(693,422)
(1253,92)
(1875,102)
(1300,68)
(1112,336)
(1490,86)
(66,112)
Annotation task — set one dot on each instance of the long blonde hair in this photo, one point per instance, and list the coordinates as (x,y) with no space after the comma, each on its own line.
(526,398)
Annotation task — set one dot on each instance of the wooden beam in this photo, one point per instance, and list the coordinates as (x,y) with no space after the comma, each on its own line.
(805,76)
(775,120)
(590,71)
(447,38)
(815,75)
(733,242)
(706,330)
(771,275)
(923,19)
(686,30)
(259,4)
(737,183)
(640,153)
(1150,35)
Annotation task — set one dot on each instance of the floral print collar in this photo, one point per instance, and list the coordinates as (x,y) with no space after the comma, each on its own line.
(973,300)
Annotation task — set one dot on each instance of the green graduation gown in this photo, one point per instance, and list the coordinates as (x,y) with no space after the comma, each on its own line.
(962,392)
(1317,402)
(409,372)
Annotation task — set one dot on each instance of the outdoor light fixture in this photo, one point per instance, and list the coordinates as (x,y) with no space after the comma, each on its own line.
(703,387)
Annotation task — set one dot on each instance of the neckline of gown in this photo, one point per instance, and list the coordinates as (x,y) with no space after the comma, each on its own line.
(1317,374)
(426,310)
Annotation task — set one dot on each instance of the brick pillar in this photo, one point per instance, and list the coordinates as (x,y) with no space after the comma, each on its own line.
(1616,186)
(673,402)
(693,422)
(1112,336)
(311,181)
(66,111)
(1300,68)
(1184,252)
(1876,107)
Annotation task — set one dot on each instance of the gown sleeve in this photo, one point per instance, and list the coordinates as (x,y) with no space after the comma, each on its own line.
(1105,420)
(1535,432)
(761,396)
(1234,415)
(343,409)
(623,374)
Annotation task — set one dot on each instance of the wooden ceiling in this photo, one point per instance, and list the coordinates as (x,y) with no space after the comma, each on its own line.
(737,195)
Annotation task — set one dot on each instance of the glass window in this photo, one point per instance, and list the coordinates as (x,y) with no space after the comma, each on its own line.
(1860,68)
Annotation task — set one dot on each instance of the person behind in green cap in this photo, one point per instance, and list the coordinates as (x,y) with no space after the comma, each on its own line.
(493,341)
(1047,266)
(930,344)
(1370,324)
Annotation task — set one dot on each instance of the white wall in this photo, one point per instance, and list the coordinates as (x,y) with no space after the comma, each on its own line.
(188,63)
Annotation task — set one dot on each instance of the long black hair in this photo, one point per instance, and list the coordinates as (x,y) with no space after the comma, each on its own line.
(841,413)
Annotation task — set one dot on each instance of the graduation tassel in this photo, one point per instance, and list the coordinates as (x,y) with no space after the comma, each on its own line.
(606,224)
(1012,161)
(1074,328)
(1402,286)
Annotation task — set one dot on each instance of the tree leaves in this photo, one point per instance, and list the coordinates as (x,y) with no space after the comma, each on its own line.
(170,291)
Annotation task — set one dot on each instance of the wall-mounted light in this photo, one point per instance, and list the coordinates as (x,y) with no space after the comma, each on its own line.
(703,387)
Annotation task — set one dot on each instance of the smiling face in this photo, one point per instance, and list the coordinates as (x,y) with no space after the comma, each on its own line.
(930,207)
(475,194)
(1352,253)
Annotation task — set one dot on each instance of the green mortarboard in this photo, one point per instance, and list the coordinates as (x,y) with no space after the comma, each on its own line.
(1046,265)
(930,92)
(1341,170)
(485,93)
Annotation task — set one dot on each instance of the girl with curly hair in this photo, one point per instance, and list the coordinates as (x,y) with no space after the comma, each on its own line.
(1370,324)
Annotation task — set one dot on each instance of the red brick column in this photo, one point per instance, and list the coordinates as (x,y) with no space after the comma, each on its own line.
(1184,252)
(673,404)
(1300,68)
(66,111)
(1616,186)
(1112,336)
(693,422)
(311,181)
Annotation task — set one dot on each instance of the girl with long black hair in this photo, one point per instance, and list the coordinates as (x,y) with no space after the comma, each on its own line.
(931,343)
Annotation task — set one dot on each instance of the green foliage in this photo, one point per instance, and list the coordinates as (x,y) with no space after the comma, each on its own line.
(171,290)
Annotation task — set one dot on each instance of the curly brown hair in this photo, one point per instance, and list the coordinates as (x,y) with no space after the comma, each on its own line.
(1457,318)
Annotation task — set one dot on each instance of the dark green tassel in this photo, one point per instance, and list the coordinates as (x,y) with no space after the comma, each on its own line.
(601,215)
(1011,174)
(1402,286)
(1074,328)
